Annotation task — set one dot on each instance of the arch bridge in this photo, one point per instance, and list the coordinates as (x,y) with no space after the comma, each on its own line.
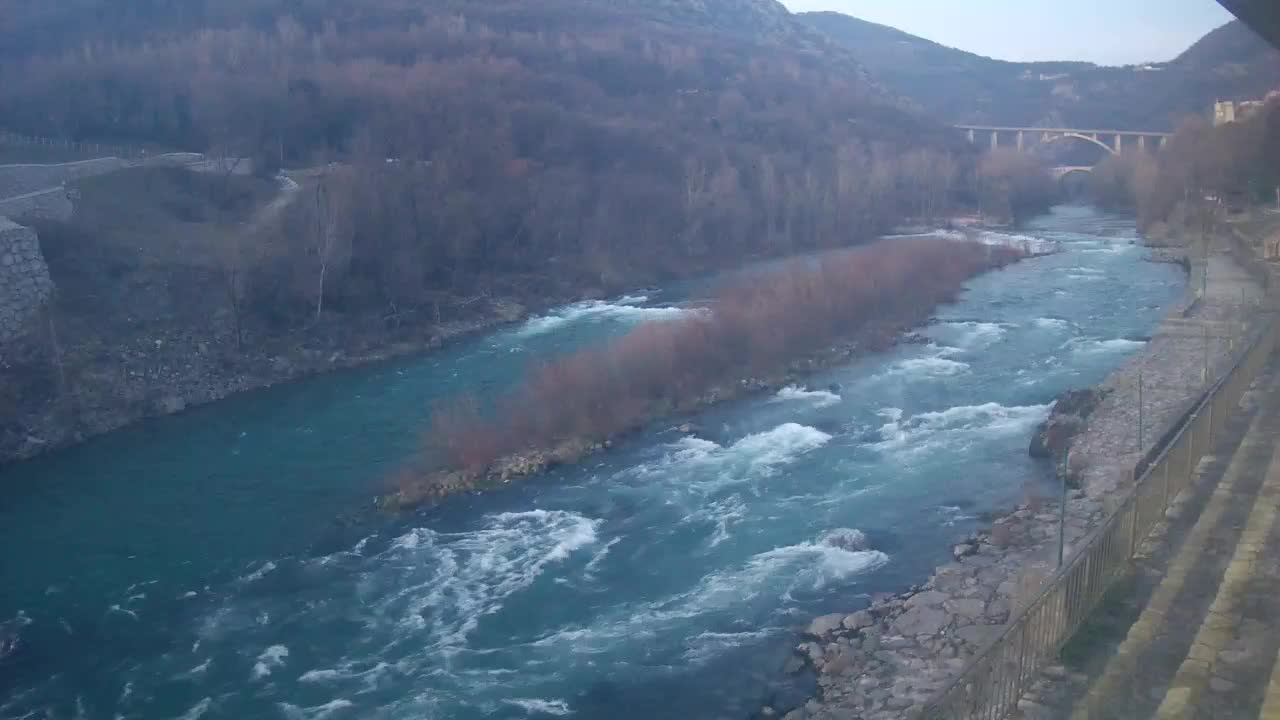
(1113,141)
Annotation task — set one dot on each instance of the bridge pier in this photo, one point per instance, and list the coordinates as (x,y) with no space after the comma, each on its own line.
(1019,141)
(995,139)
(1119,143)
(1142,142)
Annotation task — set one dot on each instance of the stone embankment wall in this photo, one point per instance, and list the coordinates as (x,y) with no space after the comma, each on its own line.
(24,278)
(38,192)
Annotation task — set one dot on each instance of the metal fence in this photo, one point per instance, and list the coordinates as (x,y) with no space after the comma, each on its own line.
(96,149)
(990,685)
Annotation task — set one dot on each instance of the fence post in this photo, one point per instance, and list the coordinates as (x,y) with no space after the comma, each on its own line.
(1137,509)
(1205,377)
(1062,510)
(1140,438)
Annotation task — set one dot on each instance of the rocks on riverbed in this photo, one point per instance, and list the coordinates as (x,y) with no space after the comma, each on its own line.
(1052,438)
(903,648)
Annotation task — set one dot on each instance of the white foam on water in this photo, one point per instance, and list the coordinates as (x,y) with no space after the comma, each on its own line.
(756,455)
(270,659)
(1015,240)
(724,513)
(1110,248)
(952,514)
(707,646)
(816,565)
(625,309)
(122,611)
(927,367)
(764,451)
(818,398)
(932,429)
(445,583)
(939,232)
(346,672)
(805,566)
(540,706)
(258,574)
(196,671)
(319,712)
(197,711)
(1047,323)
(355,552)
(974,334)
(598,558)
(1097,347)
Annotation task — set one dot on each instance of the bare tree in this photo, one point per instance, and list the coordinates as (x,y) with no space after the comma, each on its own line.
(331,239)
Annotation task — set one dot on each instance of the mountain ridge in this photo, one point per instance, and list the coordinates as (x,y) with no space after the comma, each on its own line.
(1229,62)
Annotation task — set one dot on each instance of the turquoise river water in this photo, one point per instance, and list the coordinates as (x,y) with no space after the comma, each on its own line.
(194,567)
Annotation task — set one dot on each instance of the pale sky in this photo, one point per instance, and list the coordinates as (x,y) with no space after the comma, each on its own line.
(1109,32)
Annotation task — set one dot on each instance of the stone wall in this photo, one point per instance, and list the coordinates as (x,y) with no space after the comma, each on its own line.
(24,278)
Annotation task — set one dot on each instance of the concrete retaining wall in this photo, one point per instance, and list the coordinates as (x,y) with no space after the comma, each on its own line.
(24,278)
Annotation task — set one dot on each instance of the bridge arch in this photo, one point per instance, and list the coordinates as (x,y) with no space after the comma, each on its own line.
(1061,172)
(1077,136)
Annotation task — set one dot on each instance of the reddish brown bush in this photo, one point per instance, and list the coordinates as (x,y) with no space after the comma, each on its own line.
(751,326)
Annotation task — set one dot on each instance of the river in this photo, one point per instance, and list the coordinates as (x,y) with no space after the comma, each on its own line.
(192,566)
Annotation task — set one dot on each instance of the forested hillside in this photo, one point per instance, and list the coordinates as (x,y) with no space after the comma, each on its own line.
(455,160)
(595,135)
(1230,62)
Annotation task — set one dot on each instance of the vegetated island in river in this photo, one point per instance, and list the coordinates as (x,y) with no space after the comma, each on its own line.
(754,333)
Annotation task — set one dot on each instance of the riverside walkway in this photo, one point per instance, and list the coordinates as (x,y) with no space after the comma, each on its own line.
(1193,633)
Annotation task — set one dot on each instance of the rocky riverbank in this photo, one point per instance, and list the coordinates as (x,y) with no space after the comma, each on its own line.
(170,368)
(891,657)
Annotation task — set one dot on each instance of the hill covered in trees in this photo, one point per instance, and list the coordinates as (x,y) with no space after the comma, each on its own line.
(455,160)
(1230,62)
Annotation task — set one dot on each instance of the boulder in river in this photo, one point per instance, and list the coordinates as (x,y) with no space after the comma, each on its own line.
(825,625)
(849,539)
(1053,437)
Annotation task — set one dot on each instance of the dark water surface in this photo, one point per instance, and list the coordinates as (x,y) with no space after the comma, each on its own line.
(192,567)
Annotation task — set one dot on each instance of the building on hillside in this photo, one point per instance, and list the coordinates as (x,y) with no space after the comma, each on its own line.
(1229,111)
(1224,111)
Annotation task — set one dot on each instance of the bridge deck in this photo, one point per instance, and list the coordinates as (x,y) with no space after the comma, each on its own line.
(1127,133)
